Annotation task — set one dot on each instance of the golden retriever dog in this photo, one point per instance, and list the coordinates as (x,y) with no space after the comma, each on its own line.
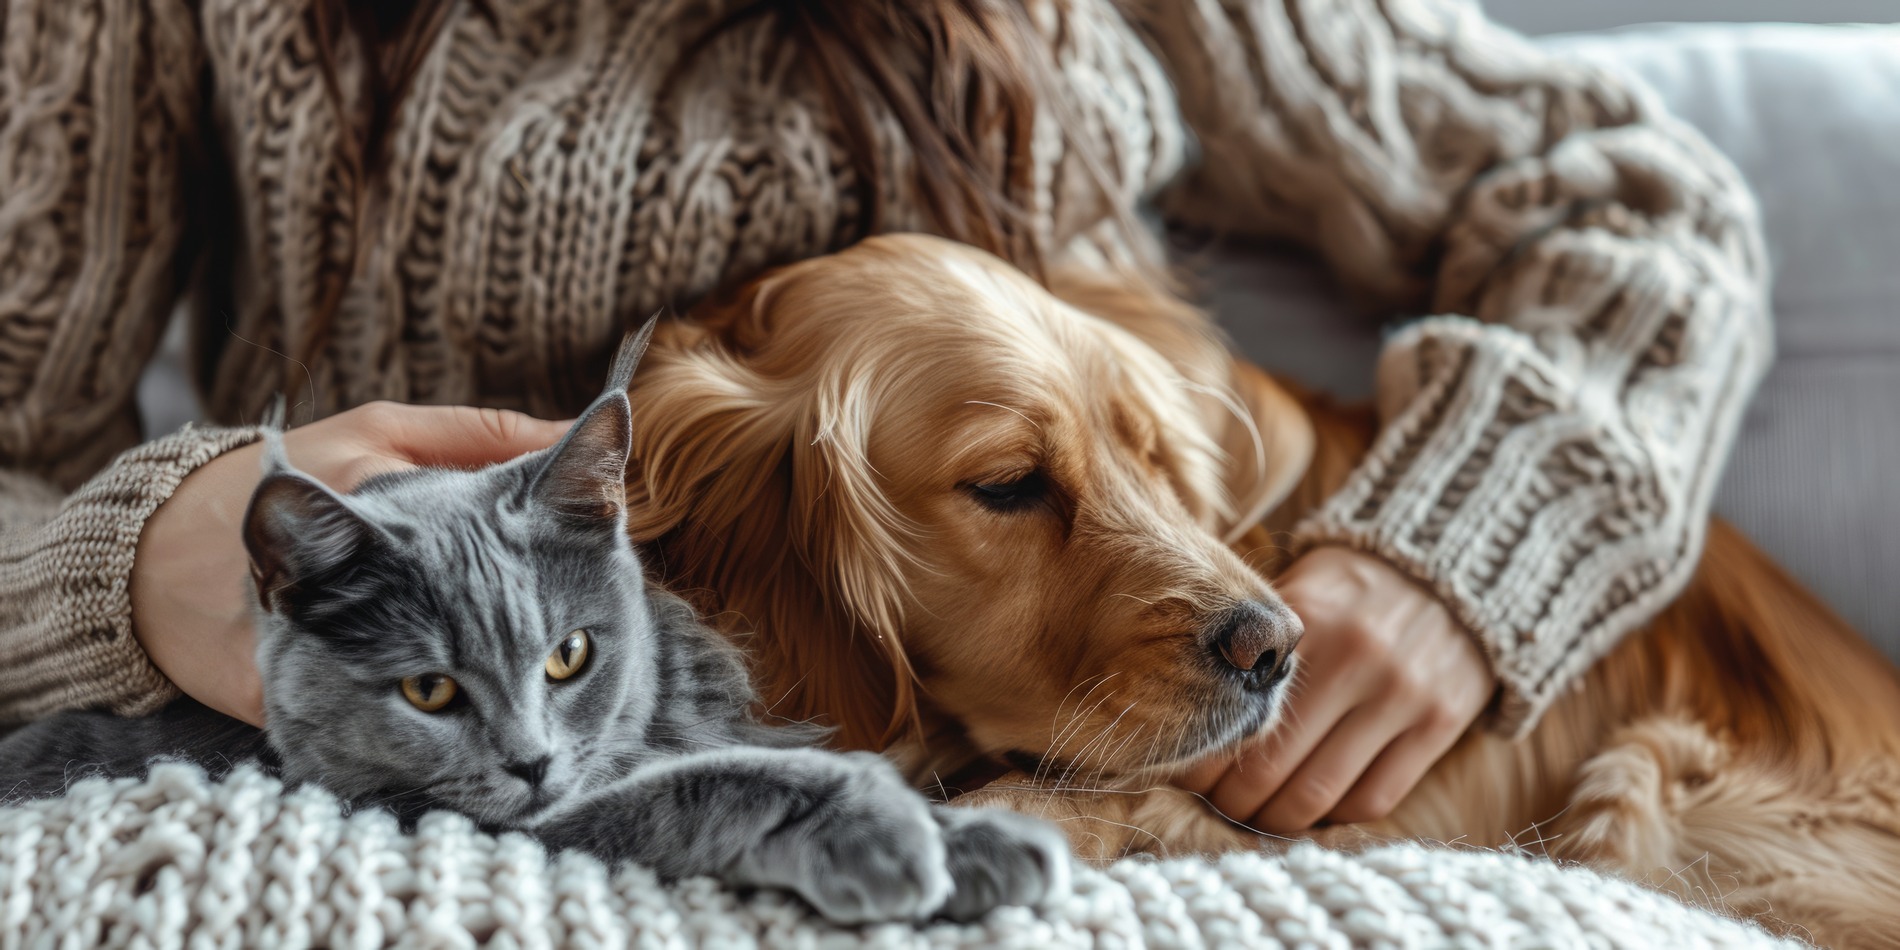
(987,525)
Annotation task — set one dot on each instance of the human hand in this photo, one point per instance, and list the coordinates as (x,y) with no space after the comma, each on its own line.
(190,609)
(1388,681)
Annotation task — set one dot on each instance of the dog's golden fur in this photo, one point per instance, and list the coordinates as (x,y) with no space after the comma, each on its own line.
(803,461)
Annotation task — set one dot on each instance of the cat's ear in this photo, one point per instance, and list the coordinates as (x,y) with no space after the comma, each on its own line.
(299,534)
(585,476)
(627,359)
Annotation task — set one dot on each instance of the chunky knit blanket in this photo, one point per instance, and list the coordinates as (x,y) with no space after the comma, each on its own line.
(175,860)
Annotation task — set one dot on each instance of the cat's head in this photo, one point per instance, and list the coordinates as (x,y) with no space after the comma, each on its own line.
(478,639)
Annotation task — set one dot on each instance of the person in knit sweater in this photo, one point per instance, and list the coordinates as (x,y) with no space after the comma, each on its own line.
(399,212)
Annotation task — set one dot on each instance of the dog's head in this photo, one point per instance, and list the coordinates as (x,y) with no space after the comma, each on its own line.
(929,485)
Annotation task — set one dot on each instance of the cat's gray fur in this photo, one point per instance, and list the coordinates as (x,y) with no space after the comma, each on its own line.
(651,753)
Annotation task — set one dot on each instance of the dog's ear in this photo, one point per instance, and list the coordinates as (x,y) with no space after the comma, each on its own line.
(754,484)
(706,434)
(853,537)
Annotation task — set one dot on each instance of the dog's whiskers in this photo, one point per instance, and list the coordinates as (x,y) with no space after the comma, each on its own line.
(1094,682)
(1069,732)
(1101,737)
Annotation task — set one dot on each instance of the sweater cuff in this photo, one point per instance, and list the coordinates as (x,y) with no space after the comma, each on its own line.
(1528,513)
(66,639)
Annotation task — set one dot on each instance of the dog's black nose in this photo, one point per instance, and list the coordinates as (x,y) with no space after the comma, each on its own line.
(1256,638)
(531,772)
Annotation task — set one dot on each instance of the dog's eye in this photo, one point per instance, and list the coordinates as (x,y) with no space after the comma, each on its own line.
(1012,495)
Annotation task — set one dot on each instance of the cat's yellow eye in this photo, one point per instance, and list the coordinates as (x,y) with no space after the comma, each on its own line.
(429,692)
(568,658)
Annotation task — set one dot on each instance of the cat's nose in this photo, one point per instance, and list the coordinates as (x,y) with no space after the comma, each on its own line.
(531,772)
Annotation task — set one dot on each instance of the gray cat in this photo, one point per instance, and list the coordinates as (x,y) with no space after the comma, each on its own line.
(486,642)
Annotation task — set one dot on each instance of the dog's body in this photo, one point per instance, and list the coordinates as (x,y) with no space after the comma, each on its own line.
(972,521)
(1741,751)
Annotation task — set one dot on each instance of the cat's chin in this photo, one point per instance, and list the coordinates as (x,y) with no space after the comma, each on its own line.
(507,811)
(536,806)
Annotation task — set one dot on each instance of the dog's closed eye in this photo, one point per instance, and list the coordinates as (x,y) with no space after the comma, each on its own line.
(1013,494)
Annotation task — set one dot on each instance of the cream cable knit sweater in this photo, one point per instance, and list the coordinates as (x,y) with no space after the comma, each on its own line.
(1548,454)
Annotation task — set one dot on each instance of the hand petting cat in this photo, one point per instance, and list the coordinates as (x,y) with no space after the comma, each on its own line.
(198,631)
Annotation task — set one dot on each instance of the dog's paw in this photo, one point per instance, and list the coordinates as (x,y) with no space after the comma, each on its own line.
(869,850)
(1626,808)
(999,858)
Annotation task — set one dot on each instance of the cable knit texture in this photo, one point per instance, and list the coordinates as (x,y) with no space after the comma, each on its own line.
(559,172)
(65,581)
(175,861)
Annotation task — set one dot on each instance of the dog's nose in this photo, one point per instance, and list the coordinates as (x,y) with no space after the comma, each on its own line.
(1257,639)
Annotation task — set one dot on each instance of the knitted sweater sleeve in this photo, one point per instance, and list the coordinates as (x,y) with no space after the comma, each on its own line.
(98,105)
(66,639)
(1550,445)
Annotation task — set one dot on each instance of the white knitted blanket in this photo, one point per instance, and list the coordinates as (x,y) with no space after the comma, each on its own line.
(177,861)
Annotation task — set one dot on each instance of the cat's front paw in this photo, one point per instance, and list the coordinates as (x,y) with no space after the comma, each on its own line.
(867,850)
(1000,858)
